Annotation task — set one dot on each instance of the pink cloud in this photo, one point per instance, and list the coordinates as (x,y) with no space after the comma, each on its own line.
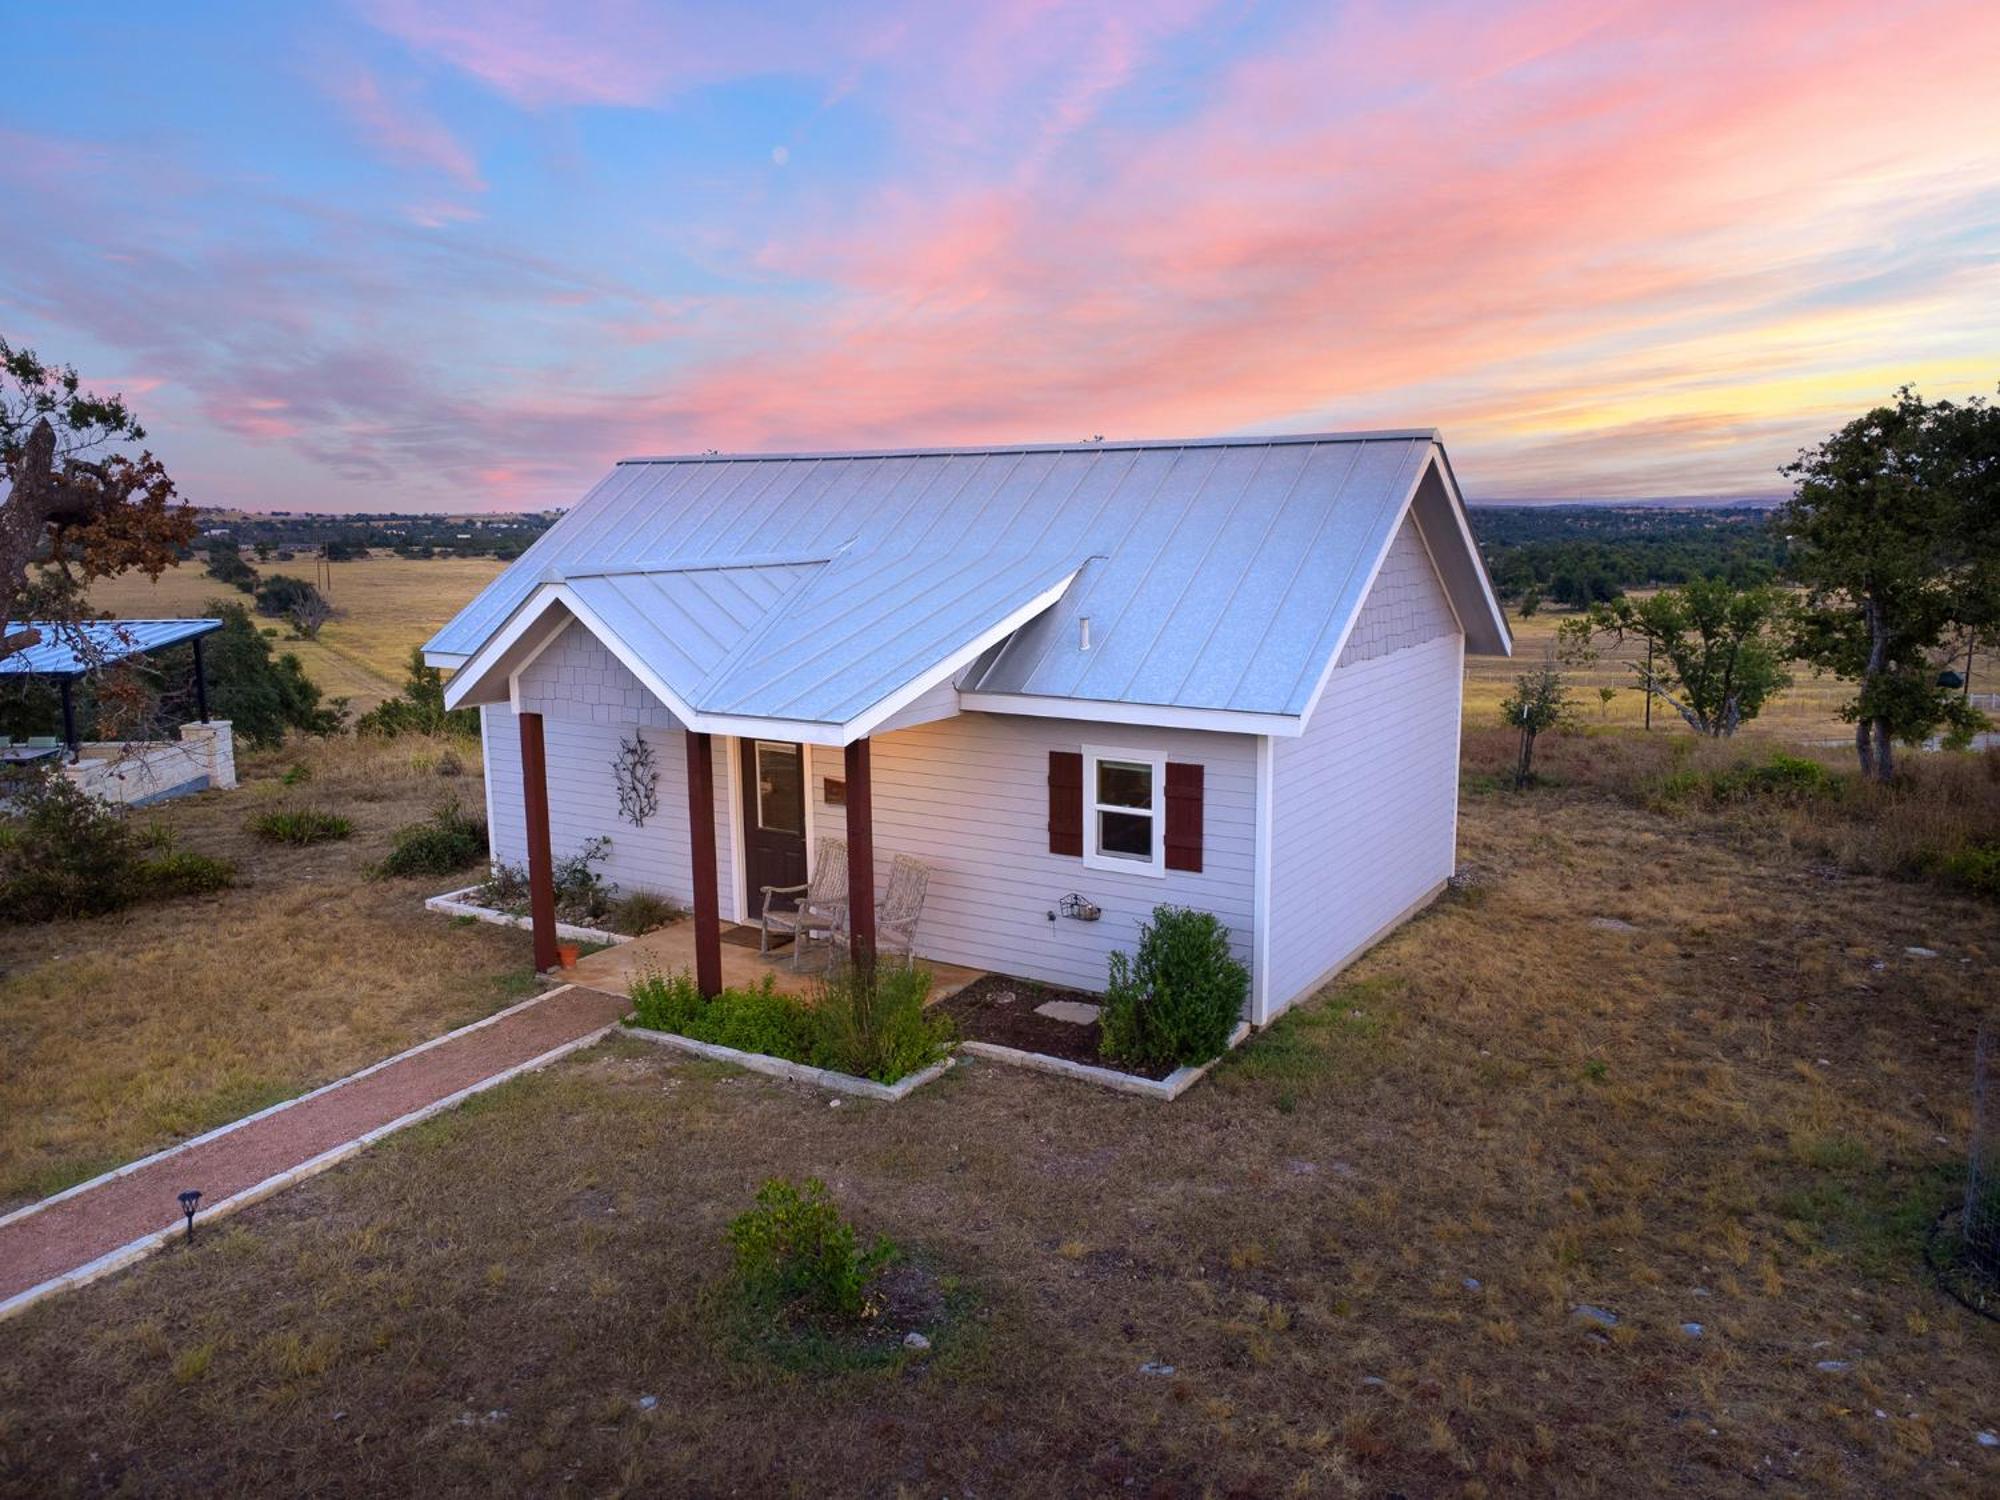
(401,129)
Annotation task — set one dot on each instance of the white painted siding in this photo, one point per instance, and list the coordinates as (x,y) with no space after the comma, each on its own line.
(1363,810)
(590,703)
(1406,606)
(969,796)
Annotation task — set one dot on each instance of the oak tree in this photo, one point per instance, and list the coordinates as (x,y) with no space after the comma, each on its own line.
(1894,530)
(79,504)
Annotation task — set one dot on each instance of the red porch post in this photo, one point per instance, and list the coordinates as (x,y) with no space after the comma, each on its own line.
(701,850)
(860,857)
(541,863)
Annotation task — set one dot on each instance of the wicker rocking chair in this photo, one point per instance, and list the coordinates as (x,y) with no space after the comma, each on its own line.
(902,907)
(822,902)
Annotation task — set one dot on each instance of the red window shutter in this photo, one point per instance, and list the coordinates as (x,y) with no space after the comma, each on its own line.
(1183,816)
(1066,802)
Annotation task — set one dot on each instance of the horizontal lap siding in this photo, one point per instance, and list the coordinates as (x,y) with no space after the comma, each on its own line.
(969,797)
(590,704)
(1364,809)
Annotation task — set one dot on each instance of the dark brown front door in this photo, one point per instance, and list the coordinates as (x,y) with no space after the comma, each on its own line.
(774,817)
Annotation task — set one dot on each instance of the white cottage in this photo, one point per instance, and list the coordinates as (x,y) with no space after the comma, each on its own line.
(1222,673)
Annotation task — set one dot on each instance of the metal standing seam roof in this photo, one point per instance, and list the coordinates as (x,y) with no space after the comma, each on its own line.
(828,641)
(72,649)
(1217,573)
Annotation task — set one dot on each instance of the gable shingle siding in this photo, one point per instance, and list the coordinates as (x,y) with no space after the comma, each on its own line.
(1406,607)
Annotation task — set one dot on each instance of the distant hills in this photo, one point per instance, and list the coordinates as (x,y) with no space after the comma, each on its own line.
(1655,502)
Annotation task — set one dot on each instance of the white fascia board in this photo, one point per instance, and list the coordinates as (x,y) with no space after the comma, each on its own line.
(865,721)
(1458,511)
(483,661)
(450,660)
(1103,711)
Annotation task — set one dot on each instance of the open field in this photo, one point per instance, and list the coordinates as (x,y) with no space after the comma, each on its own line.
(1808,711)
(1359,1245)
(387,605)
(129,1031)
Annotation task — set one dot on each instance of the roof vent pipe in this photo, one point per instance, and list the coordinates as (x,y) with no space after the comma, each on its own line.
(1083,632)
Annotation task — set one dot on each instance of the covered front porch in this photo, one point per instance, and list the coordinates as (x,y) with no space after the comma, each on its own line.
(612,970)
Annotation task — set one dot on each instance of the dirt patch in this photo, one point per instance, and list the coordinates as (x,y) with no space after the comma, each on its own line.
(982,1013)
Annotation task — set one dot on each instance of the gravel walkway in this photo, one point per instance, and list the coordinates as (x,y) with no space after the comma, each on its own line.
(72,1237)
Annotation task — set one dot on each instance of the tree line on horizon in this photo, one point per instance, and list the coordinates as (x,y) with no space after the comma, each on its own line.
(1884,562)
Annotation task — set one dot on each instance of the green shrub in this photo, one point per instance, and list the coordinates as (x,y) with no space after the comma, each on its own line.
(1178,1001)
(666,1002)
(300,825)
(582,895)
(1976,867)
(297,775)
(63,853)
(875,1026)
(182,872)
(1785,778)
(640,911)
(879,1031)
(760,1019)
(750,1020)
(796,1258)
(443,844)
(420,707)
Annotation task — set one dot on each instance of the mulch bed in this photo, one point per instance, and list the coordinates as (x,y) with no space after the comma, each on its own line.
(981,1016)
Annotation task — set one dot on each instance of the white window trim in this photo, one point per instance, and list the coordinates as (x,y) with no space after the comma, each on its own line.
(1121,863)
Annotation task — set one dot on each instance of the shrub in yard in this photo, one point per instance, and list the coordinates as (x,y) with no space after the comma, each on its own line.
(443,844)
(63,853)
(758,1019)
(798,1259)
(875,1025)
(183,872)
(640,911)
(1976,868)
(666,1002)
(420,707)
(300,825)
(1177,1002)
(582,895)
(1787,777)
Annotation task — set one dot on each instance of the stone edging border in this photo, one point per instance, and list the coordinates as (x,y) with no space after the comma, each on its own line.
(778,1067)
(450,904)
(1172,1086)
(333,1156)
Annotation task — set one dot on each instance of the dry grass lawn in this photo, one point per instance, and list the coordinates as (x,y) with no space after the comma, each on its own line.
(1359,1244)
(386,605)
(126,1032)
